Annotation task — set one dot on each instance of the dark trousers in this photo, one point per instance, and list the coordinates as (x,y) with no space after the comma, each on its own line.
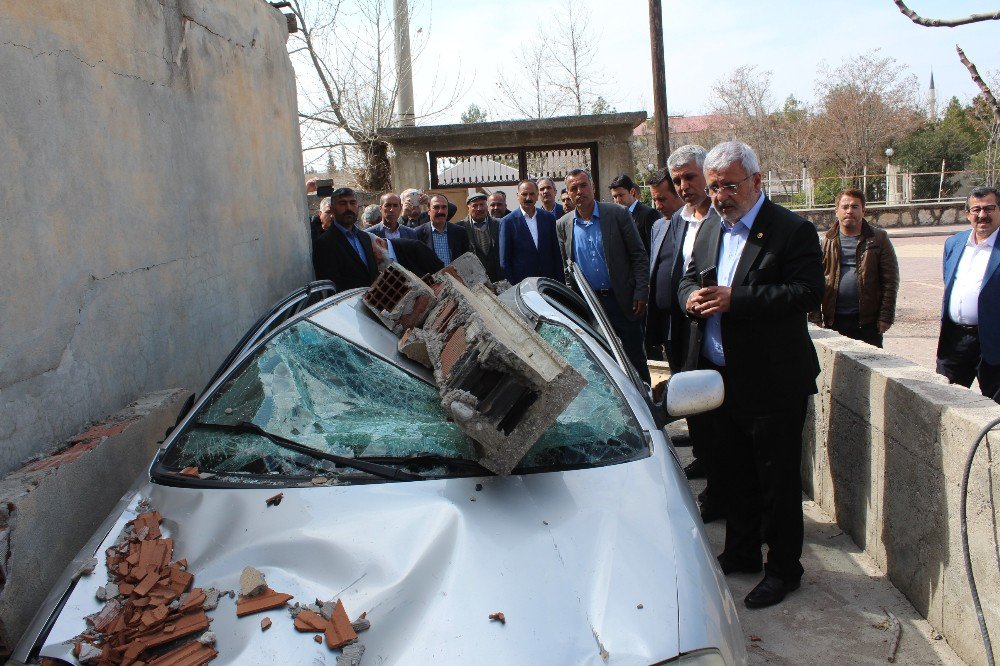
(759,458)
(959,358)
(631,333)
(849,325)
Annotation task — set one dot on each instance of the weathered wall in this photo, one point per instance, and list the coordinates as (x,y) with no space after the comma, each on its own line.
(910,215)
(152,202)
(886,445)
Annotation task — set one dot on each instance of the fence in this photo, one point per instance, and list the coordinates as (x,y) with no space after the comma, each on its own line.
(892,188)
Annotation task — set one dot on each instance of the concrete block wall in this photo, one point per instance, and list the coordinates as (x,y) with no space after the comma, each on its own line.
(909,215)
(152,202)
(886,445)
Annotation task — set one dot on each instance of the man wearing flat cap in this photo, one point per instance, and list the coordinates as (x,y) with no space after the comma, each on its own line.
(343,253)
(484,235)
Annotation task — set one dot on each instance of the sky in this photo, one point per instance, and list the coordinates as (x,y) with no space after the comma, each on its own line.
(475,38)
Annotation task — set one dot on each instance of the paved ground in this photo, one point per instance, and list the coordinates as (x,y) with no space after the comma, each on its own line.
(839,615)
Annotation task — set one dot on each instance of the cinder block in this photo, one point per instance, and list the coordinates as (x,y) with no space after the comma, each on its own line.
(498,379)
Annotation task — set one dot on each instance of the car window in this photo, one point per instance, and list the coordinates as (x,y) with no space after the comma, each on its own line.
(321,391)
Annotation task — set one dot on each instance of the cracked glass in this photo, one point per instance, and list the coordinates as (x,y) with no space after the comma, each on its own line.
(319,390)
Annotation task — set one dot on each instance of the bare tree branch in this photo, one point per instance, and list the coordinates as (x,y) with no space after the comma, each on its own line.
(978,80)
(945,23)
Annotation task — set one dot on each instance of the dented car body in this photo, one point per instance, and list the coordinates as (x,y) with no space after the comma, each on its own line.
(592,548)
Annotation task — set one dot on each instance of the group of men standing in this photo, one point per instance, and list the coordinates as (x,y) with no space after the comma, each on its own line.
(717,277)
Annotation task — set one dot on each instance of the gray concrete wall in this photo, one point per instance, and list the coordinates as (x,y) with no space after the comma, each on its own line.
(886,445)
(152,201)
(910,215)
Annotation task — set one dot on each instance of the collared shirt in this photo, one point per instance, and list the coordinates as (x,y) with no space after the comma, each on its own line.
(390,249)
(631,209)
(588,250)
(734,239)
(963,305)
(391,234)
(441,248)
(693,224)
(532,223)
(352,238)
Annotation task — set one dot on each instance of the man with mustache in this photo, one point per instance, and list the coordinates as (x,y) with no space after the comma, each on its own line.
(342,253)
(448,241)
(751,282)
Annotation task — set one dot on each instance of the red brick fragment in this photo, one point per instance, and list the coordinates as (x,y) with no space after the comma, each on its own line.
(339,631)
(307,620)
(265,624)
(275,500)
(147,583)
(192,653)
(266,600)
(499,617)
(318,638)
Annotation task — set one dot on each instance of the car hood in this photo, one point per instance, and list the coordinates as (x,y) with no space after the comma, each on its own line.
(582,564)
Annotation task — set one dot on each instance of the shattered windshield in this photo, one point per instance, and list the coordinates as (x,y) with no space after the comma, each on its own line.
(321,391)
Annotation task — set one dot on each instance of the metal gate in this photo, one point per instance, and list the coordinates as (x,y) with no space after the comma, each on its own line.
(493,167)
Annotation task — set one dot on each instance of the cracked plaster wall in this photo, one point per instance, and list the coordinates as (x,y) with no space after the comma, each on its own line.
(150,174)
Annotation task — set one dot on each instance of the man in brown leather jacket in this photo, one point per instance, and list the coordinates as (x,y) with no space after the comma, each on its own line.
(861,272)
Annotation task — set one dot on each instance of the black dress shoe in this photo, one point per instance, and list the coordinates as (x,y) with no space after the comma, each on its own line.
(770,591)
(696,470)
(730,566)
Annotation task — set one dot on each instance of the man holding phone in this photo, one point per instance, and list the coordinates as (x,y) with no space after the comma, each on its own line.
(751,327)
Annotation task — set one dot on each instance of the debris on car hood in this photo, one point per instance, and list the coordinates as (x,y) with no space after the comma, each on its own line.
(500,381)
(149,604)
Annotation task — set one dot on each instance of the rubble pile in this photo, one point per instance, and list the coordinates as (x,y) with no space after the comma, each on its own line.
(330,619)
(150,605)
(500,381)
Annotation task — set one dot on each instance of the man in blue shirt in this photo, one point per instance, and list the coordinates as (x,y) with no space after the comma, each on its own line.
(449,241)
(752,279)
(342,253)
(604,242)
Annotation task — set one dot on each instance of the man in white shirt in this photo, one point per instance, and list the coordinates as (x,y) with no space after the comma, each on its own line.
(969,344)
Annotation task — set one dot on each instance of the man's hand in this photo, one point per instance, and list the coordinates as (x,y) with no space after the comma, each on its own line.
(883,326)
(638,307)
(709,301)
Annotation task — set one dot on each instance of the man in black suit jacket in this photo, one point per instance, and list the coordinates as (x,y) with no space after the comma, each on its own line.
(342,253)
(484,235)
(448,241)
(751,327)
(412,255)
(625,192)
(603,242)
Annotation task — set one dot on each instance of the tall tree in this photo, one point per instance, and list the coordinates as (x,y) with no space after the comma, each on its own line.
(860,113)
(343,54)
(473,115)
(527,88)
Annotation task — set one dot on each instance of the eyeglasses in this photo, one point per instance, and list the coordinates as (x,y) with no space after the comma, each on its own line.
(976,210)
(729,188)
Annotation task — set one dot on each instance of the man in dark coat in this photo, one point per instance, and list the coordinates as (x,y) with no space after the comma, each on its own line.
(529,246)
(751,282)
(484,235)
(343,253)
(448,241)
(625,192)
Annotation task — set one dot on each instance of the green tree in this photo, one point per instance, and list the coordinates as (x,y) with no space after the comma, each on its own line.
(601,106)
(954,139)
(473,115)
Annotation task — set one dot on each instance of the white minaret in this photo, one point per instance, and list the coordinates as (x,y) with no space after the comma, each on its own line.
(932,100)
(404,66)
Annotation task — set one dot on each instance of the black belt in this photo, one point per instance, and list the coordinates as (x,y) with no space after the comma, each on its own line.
(968,328)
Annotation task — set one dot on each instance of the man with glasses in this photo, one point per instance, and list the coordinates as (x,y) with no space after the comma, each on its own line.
(750,284)
(861,271)
(969,344)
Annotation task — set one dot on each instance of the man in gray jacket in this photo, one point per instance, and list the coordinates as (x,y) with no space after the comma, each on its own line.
(604,242)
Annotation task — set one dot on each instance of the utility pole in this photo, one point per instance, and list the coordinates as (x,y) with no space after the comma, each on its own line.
(659,83)
(405,116)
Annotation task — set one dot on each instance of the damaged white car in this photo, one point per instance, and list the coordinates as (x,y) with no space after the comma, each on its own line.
(321,458)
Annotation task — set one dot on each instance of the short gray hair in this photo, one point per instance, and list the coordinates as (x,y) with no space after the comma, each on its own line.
(372,215)
(729,153)
(692,152)
(326,203)
(980,192)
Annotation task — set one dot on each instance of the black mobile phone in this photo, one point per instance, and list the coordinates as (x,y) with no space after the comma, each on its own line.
(709,277)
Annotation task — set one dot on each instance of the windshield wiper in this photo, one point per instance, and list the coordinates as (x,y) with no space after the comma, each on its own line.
(374,468)
(463,464)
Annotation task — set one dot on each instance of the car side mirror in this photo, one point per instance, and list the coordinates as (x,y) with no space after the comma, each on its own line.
(693,392)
